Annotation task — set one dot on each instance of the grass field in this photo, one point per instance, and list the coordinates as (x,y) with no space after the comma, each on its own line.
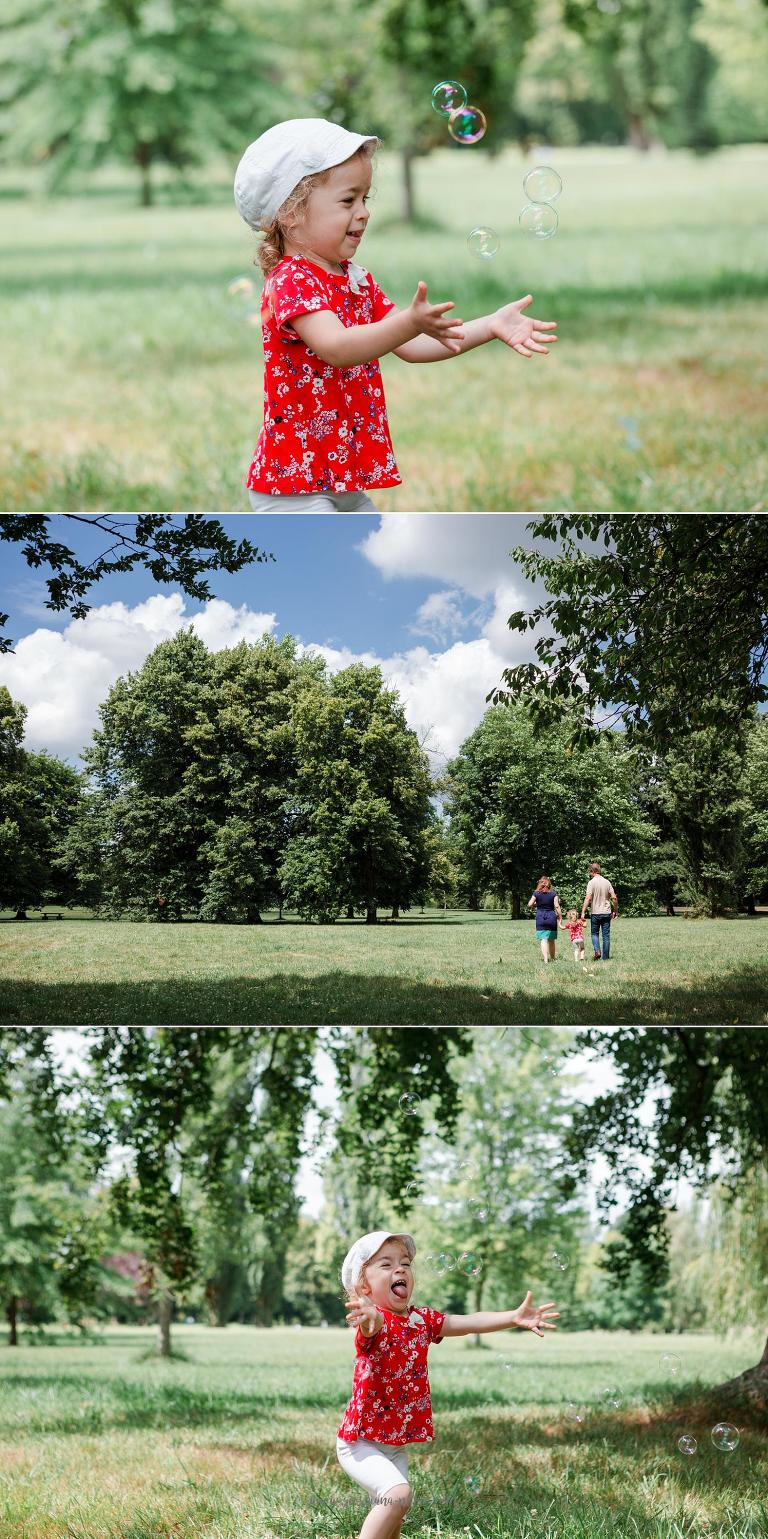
(238,1442)
(132,383)
(472,969)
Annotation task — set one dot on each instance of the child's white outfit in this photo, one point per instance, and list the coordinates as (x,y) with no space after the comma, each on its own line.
(325,429)
(311,502)
(390,1405)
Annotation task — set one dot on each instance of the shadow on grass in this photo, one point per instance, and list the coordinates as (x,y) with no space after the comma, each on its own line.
(739,994)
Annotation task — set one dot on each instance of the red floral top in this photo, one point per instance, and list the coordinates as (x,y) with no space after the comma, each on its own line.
(325,429)
(390,1389)
(575,928)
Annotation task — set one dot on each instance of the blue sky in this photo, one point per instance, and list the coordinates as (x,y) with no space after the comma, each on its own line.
(423,596)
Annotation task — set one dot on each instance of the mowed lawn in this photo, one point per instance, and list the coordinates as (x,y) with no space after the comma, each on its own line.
(133,382)
(465,968)
(238,1441)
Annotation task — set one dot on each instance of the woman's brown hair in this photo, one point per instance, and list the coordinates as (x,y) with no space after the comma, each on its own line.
(272,246)
(543,884)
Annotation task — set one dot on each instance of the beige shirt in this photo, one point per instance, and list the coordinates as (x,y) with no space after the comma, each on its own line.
(599,894)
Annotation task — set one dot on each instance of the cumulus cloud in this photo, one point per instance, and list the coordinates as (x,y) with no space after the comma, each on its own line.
(63,676)
(467,551)
(441,616)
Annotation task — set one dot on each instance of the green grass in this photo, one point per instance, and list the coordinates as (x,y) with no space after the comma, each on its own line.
(136,385)
(239,1442)
(467,968)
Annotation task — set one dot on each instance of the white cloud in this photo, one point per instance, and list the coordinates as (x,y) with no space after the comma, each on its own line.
(441,616)
(469,551)
(63,676)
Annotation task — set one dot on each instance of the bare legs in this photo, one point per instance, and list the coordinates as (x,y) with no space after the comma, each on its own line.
(385,1517)
(548,950)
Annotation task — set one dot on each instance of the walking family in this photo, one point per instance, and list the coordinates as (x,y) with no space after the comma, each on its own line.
(599,897)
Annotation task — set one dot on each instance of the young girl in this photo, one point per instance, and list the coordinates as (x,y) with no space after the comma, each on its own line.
(325,322)
(575,927)
(390,1405)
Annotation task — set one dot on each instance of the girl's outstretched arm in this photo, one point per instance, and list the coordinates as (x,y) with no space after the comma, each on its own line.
(509,325)
(528,1317)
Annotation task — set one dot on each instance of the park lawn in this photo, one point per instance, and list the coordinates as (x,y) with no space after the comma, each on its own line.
(473,969)
(134,383)
(238,1441)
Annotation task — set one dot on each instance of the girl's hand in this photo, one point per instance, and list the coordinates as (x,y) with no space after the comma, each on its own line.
(536,1319)
(522,332)
(432,320)
(363,1312)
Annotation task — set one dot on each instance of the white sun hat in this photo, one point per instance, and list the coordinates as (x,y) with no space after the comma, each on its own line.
(367,1246)
(278,160)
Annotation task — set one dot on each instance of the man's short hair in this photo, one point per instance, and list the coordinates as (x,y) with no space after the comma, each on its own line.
(594,867)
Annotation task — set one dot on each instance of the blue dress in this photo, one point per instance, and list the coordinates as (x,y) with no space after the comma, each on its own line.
(546,914)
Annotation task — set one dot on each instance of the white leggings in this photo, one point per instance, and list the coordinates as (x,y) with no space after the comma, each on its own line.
(377,1467)
(312,502)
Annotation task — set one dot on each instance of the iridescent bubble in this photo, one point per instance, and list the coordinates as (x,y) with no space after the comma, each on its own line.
(473,1483)
(445,1262)
(575,1413)
(687,1443)
(612,1397)
(429,1262)
(477,1208)
(448,96)
(483,242)
(469,1264)
(670,1363)
(559,1260)
(252,318)
(411,1191)
(466,125)
(725,1436)
(542,185)
(539,219)
(240,288)
(410,1103)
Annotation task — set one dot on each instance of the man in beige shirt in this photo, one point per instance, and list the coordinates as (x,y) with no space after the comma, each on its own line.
(605,906)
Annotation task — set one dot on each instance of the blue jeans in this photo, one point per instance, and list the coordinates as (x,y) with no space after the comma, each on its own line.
(601,922)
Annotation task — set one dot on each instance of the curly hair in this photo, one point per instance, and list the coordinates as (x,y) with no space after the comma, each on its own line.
(271,248)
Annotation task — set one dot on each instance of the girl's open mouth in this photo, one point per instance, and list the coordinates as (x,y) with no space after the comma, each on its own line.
(399,1289)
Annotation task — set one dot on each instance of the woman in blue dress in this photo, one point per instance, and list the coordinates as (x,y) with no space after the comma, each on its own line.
(548,915)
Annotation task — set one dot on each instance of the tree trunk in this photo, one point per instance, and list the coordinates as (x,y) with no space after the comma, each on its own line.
(638,133)
(371,914)
(478,1300)
(751,907)
(515,906)
(254,917)
(350,911)
(164,1314)
(280,912)
(409,196)
(395,911)
(751,1385)
(11,1311)
(21,913)
(143,160)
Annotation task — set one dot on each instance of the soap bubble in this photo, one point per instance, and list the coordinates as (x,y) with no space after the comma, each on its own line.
(411,1191)
(483,242)
(670,1363)
(539,219)
(473,1483)
(466,125)
(240,288)
(252,318)
(429,1262)
(725,1436)
(467,1169)
(448,96)
(477,1208)
(410,1103)
(559,1260)
(470,1265)
(575,1413)
(612,1398)
(687,1443)
(446,1262)
(542,185)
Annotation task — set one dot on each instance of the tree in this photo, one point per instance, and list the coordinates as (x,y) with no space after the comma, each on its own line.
(361,809)
(711,1103)
(700,790)
(39,801)
(666,629)
(148,83)
(170,551)
(526,804)
(754,791)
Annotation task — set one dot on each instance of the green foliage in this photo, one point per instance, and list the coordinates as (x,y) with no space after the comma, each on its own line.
(701,792)
(754,833)
(170,551)
(40,799)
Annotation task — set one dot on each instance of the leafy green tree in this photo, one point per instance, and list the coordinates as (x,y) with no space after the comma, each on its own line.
(665,628)
(146,83)
(171,549)
(527,803)
(711,1102)
(701,794)
(754,792)
(39,801)
(361,810)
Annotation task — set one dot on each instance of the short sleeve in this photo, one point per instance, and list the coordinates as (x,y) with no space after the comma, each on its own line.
(366,1344)
(434,1320)
(382,305)
(294,290)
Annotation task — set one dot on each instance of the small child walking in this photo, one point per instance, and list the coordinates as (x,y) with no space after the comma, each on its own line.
(325,442)
(575,927)
(390,1405)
